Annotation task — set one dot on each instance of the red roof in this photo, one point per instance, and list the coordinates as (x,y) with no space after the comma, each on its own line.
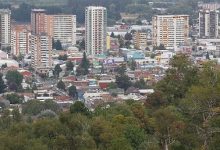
(26,73)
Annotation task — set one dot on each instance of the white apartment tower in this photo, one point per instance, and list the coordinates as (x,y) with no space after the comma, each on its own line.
(41,52)
(5,28)
(170,30)
(95,26)
(63,28)
(208,23)
(20,39)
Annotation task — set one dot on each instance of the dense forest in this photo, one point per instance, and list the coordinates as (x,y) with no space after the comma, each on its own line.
(182,114)
(114,7)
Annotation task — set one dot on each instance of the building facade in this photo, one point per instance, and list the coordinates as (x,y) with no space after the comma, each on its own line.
(208,23)
(41,52)
(140,40)
(20,39)
(170,30)
(95,30)
(5,28)
(63,28)
(38,21)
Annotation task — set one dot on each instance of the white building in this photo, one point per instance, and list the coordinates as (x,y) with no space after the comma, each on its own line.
(208,23)
(63,28)
(20,39)
(41,52)
(170,30)
(96,32)
(5,28)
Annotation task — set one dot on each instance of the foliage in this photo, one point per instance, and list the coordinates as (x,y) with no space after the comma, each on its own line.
(2,84)
(57,45)
(141,84)
(83,68)
(35,107)
(14,79)
(63,57)
(132,65)
(69,65)
(122,80)
(61,85)
(128,36)
(79,107)
(57,70)
(112,85)
(72,91)
(14,98)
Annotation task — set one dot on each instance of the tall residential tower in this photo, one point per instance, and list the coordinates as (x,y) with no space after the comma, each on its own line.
(208,23)
(170,30)
(63,28)
(5,28)
(38,21)
(95,25)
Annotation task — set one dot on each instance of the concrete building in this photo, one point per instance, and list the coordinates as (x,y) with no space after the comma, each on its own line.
(41,52)
(20,39)
(38,21)
(5,28)
(208,23)
(170,30)
(63,28)
(95,28)
(140,40)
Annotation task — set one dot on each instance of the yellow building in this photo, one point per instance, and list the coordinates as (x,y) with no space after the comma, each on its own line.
(108,42)
(140,40)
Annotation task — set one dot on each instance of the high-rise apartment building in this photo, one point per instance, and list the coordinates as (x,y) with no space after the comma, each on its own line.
(20,39)
(95,26)
(170,30)
(38,21)
(140,40)
(208,23)
(41,52)
(63,28)
(5,28)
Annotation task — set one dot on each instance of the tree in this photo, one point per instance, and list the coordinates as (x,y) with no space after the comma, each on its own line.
(63,57)
(35,107)
(57,70)
(16,115)
(122,80)
(179,78)
(58,45)
(112,35)
(133,65)
(79,107)
(161,47)
(69,66)
(82,45)
(61,85)
(202,103)
(14,98)
(14,79)
(2,84)
(141,84)
(168,126)
(128,36)
(135,136)
(112,85)
(83,68)
(72,91)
